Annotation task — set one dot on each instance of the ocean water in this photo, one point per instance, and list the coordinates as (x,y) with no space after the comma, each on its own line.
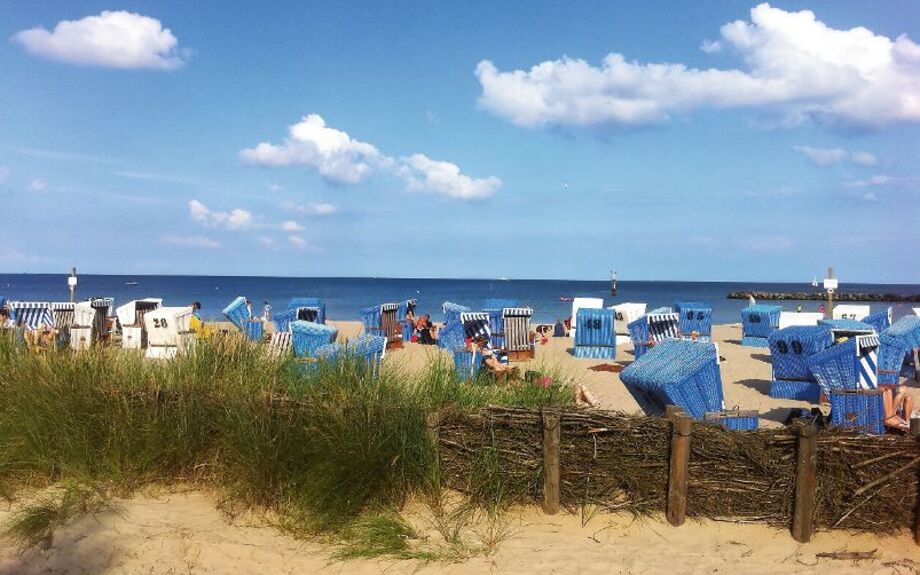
(344,297)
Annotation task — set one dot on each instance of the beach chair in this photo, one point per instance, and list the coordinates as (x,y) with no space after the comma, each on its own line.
(859,409)
(677,372)
(169,332)
(237,312)
(495,308)
(516,322)
(757,323)
(309,309)
(899,347)
(849,311)
(131,318)
(452,312)
(407,325)
(466,362)
(31,314)
(369,350)
(307,337)
(790,348)
(596,337)
(582,302)
(880,320)
(653,328)
(851,364)
(382,320)
(846,327)
(694,317)
(734,419)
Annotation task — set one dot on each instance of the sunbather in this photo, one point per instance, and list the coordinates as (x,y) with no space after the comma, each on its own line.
(898,406)
(427,331)
(499,370)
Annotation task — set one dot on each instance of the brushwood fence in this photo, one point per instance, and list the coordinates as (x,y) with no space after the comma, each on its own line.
(798,476)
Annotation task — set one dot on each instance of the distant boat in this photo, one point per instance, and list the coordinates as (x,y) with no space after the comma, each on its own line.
(814,282)
(132,283)
(563,298)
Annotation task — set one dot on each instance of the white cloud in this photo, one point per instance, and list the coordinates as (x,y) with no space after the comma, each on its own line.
(423,174)
(112,39)
(38,185)
(876,180)
(711,47)
(149,176)
(190,241)
(4,174)
(342,159)
(829,156)
(791,62)
(291,226)
(237,219)
(333,153)
(311,209)
(298,242)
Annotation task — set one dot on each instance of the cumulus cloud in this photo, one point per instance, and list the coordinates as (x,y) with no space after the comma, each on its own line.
(4,174)
(423,174)
(291,226)
(298,242)
(237,219)
(342,159)
(190,241)
(791,62)
(116,39)
(333,153)
(38,185)
(830,156)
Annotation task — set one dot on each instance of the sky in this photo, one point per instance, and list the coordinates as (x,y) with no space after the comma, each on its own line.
(671,141)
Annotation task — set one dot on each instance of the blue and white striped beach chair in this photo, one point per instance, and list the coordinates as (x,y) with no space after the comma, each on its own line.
(31,314)
(466,362)
(495,308)
(790,349)
(653,328)
(370,319)
(677,372)
(694,317)
(757,323)
(852,364)
(516,323)
(897,348)
(596,337)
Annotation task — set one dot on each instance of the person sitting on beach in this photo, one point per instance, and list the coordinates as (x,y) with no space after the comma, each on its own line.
(6,322)
(499,370)
(427,331)
(898,406)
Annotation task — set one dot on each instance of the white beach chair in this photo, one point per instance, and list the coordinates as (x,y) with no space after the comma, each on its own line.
(625,313)
(791,318)
(280,344)
(856,312)
(583,302)
(131,318)
(168,331)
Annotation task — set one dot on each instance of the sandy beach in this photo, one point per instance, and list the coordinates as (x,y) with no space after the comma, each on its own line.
(183,531)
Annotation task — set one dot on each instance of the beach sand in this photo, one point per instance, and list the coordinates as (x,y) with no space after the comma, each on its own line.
(183,532)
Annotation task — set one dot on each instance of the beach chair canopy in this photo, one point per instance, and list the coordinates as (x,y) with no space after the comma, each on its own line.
(307,337)
(132,313)
(626,313)
(846,327)
(476,324)
(653,327)
(896,345)
(166,326)
(237,312)
(452,311)
(790,348)
(759,320)
(582,302)
(694,317)
(283,319)
(405,307)
(852,364)
(879,320)
(598,328)
(309,309)
(63,314)
(31,314)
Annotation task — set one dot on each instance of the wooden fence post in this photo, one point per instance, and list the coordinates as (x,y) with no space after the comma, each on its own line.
(551,442)
(917,514)
(678,465)
(806,480)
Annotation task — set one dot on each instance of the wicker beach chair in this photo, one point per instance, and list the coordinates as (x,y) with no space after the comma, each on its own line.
(757,323)
(880,320)
(626,313)
(169,332)
(694,317)
(846,327)
(307,337)
(899,348)
(131,318)
(283,319)
(31,314)
(280,344)
(466,362)
(516,322)
(596,337)
(677,372)
(309,309)
(852,364)
(579,303)
(790,349)
(859,409)
(653,328)
(237,312)
(495,308)
(452,312)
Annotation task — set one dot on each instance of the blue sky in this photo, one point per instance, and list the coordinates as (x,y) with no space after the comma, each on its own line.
(726,141)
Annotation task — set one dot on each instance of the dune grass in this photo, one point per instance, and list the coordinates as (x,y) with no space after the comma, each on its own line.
(318,447)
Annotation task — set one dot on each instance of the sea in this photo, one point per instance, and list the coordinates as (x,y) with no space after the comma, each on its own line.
(344,297)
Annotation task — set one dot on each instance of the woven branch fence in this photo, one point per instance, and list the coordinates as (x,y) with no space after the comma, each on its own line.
(829,479)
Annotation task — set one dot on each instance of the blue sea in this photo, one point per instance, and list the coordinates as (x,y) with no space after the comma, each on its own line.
(344,297)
